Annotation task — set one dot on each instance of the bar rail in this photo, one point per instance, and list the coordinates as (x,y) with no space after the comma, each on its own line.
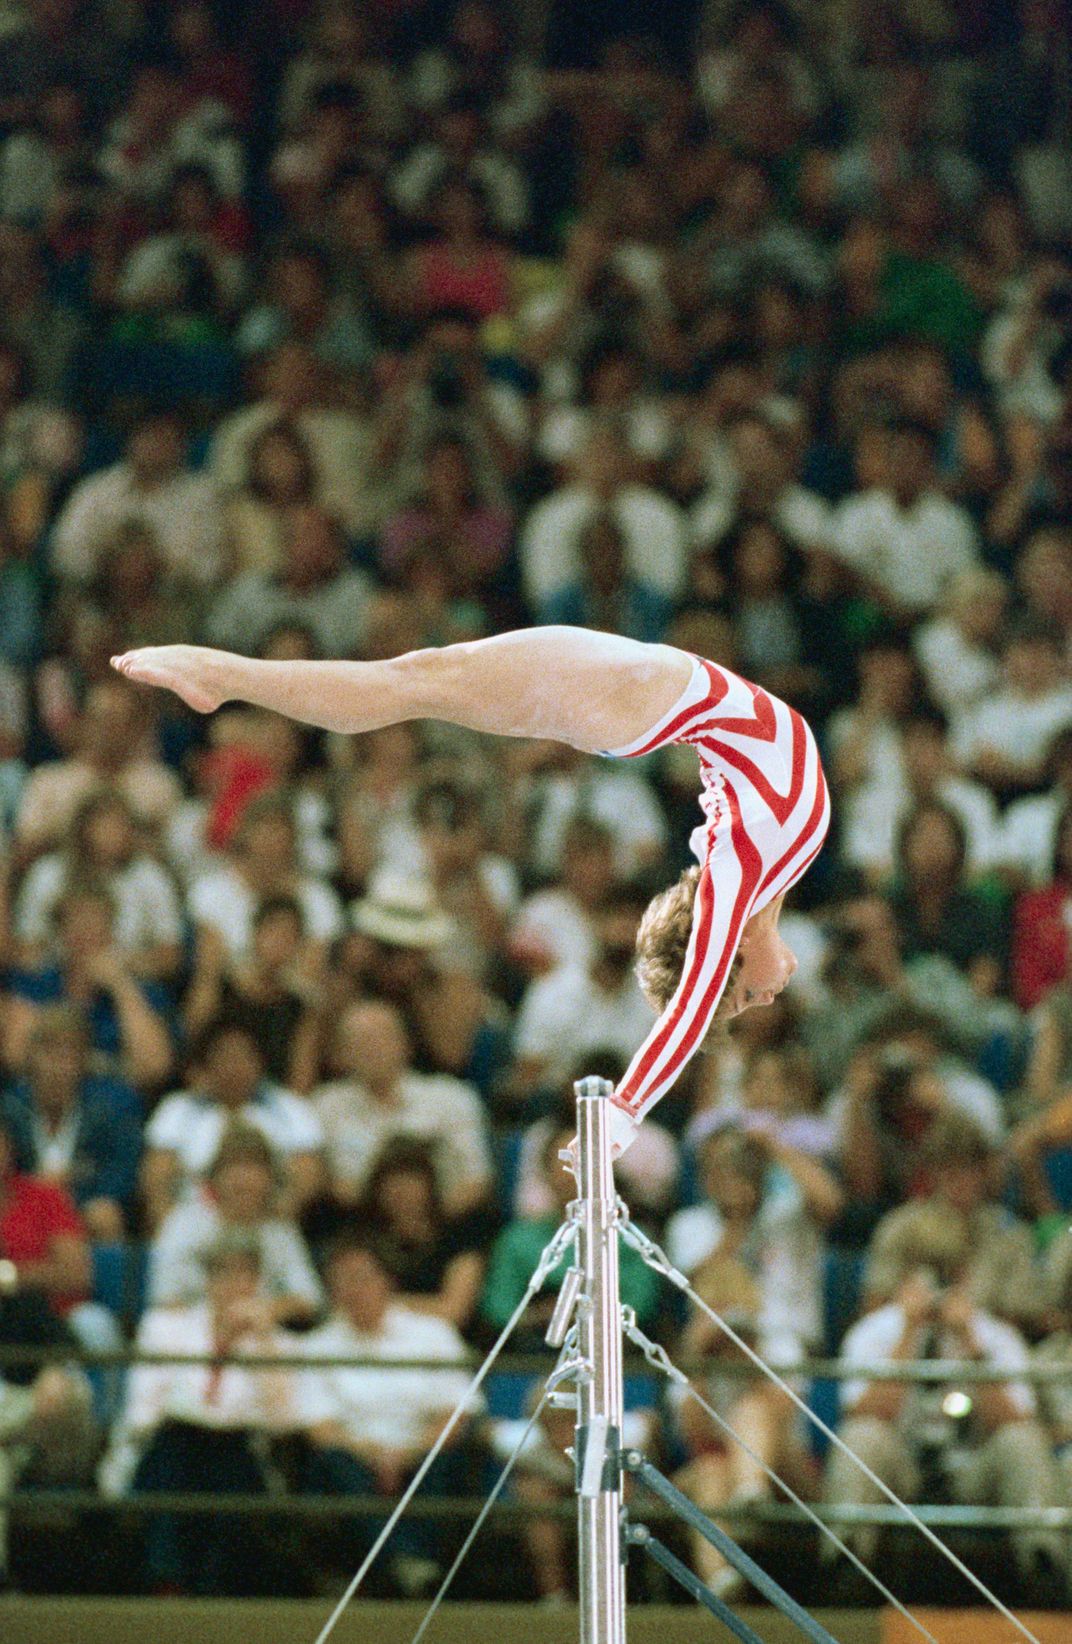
(535,1364)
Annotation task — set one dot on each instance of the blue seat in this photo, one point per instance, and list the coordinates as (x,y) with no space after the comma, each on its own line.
(119,1279)
(843,1273)
(1058,1167)
(507,1393)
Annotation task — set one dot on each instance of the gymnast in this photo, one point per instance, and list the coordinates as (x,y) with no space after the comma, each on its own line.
(708,946)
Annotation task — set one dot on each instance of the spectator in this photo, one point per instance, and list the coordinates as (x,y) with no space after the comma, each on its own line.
(475,886)
(650,523)
(555,785)
(570,1011)
(110,750)
(1029,826)
(153,486)
(295,391)
(450,516)
(1040,955)
(1005,739)
(46,332)
(986,1446)
(274,990)
(716,1472)
(1055,1349)
(313,588)
(339,52)
(903,539)
(604,595)
(880,808)
(302,307)
(438,1262)
(936,910)
(765,1205)
(611,388)
(378,1097)
(194,1427)
(461,152)
(866,745)
(461,266)
(48,1439)
(760,486)
(74,1127)
(47,1273)
(197,245)
(262,862)
(370,1427)
(556,925)
(280,475)
(239,1198)
(133,589)
(999,1273)
(444,386)
(159,131)
(129,1019)
(103,844)
(227,1067)
(956,649)
(762,585)
(399,954)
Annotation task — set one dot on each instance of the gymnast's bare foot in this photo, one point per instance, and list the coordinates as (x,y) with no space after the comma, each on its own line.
(192,671)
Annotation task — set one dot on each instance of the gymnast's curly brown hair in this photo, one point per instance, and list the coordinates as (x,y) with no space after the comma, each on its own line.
(663,940)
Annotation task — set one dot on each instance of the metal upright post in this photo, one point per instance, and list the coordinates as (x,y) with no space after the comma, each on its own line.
(600,1398)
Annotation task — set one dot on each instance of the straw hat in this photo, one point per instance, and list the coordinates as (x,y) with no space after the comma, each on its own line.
(400,909)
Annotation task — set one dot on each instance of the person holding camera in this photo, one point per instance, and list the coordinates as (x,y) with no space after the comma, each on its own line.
(957,1164)
(975,1442)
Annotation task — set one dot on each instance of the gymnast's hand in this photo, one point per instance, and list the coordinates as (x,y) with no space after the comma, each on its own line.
(194,672)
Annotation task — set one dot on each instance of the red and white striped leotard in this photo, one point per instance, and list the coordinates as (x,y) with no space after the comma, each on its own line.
(766,810)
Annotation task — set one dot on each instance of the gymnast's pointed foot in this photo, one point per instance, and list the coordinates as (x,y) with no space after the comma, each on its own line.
(192,671)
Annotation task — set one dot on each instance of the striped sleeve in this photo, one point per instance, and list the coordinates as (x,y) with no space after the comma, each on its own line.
(727,889)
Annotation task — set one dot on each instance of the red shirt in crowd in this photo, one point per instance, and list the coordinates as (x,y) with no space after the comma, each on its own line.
(33,1214)
(1040,942)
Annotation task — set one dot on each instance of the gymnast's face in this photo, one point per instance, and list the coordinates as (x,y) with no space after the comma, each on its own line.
(766,963)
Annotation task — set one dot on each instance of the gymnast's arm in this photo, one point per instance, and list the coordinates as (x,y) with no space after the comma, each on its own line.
(594,691)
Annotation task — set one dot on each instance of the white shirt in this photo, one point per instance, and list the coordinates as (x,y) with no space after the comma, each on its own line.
(389,1407)
(429,1107)
(176,1271)
(184,512)
(876,811)
(246,610)
(913,553)
(565,1014)
(612,793)
(965,1092)
(563,430)
(1029,834)
(652,525)
(341,448)
(230,1396)
(552,924)
(192,1126)
(958,674)
(804,519)
(221,898)
(873,1338)
(784,1251)
(147,905)
(1019,728)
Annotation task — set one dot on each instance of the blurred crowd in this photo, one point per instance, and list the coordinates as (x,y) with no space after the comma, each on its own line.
(337,330)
